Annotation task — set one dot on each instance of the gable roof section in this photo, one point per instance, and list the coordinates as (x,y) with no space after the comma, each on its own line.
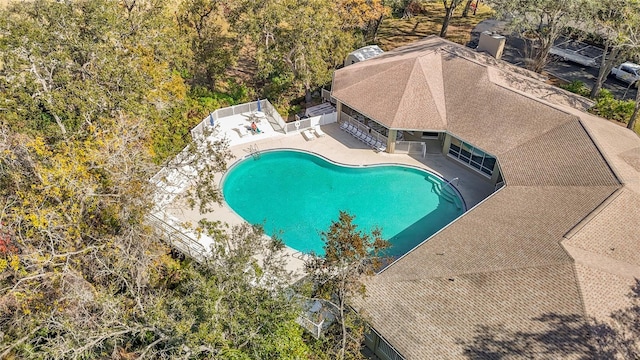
(563,156)
(516,227)
(449,318)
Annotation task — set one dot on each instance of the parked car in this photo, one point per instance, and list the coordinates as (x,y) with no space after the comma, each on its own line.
(627,72)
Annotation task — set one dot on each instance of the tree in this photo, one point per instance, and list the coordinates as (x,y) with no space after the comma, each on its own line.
(449,7)
(299,41)
(82,272)
(636,110)
(362,15)
(540,22)
(467,6)
(349,256)
(214,45)
(618,22)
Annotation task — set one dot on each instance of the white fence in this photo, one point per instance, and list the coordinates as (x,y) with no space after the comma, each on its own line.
(271,112)
(326,96)
(311,122)
(265,106)
(411,148)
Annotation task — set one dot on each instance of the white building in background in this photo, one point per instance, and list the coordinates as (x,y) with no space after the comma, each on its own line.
(362,54)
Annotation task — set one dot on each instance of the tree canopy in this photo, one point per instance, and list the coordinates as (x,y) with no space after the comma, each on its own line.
(541,22)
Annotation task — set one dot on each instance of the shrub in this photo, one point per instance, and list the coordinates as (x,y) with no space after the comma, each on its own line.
(613,109)
(577,87)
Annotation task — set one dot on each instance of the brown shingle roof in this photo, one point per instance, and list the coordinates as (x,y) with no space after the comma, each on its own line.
(609,231)
(395,92)
(516,227)
(563,156)
(445,318)
(523,270)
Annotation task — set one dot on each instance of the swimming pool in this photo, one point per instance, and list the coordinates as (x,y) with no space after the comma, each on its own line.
(297,194)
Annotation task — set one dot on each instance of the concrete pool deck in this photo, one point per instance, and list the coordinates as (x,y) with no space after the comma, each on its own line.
(340,147)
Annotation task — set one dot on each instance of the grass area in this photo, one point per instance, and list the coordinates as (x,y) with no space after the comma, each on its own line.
(395,32)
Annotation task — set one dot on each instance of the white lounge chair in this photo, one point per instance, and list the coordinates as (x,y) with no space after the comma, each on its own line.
(308,135)
(344,125)
(318,131)
(241,130)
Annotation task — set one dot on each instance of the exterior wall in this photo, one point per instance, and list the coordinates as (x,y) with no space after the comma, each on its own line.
(380,347)
(496,174)
(350,60)
(445,144)
(493,180)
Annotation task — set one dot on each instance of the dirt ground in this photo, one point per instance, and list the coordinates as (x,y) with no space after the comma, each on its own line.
(395,32)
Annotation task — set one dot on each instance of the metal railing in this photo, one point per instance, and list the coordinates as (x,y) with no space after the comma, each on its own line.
(179,240)
(411,148)
(313,328)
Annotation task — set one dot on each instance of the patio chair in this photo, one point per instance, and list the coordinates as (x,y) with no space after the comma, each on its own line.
(241,130)
(344,125)
(318,131)
(308,135)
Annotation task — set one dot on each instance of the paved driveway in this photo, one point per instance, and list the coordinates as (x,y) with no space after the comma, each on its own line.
(514,53)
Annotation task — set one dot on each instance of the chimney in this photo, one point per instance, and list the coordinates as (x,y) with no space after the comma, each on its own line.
(491,43)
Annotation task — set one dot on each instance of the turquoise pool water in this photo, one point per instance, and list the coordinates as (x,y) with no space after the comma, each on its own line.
(297,194)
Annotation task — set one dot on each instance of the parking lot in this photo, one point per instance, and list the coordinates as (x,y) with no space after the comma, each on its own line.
(565,70)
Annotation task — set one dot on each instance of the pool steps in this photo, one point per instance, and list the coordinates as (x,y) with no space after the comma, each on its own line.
(447,191)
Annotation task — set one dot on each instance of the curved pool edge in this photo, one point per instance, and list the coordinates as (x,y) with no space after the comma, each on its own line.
(355,166)
(298,255)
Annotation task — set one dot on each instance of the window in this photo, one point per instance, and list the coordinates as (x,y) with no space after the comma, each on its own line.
(629,70)
(429,135)
(471,156)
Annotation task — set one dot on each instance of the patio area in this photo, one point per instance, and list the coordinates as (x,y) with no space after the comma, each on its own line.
(336,145)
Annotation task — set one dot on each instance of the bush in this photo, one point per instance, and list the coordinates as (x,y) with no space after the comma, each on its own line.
(577,87)
(613,109)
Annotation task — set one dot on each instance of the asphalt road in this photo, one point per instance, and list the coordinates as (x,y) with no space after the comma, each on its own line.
(569,71)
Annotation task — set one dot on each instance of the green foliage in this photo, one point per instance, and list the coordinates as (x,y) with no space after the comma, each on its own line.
(540,22)
(93,94)
(350,256)
(611,108)
(299,40)
(577,87)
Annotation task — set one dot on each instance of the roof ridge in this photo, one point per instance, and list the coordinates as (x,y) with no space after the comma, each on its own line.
(569,261)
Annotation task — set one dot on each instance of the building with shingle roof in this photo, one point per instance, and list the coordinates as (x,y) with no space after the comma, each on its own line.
(555,248)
